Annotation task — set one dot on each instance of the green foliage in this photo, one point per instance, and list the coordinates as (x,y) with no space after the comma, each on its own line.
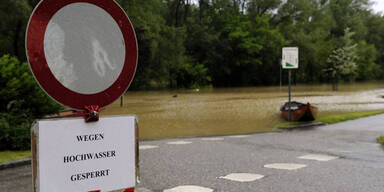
(375,25)
(380,140)
(21,101)
(163,60)
(342,61)
(194,43)
(367,69)
(19,90)
(14,131)
(14,16)
(307,25)
(262,7)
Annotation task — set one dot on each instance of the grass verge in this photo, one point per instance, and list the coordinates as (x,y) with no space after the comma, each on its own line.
(13,155)
(349,116)
(335,118)
(380,140)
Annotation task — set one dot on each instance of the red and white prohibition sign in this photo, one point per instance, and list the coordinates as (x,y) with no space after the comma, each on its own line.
(81,52)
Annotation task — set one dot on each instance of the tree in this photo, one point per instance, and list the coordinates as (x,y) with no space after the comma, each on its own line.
(185,43)
(342,61)
(375,25)
(307,25)
(177,12)
(261,7)
(14,16)
(349,13)
(367,69)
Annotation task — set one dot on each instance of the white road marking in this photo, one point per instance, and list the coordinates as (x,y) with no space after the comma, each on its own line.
(242,177)
(143,147)
(189,188)
(212,139)
(179,143)
(239,136)
(318,157)
(286,166)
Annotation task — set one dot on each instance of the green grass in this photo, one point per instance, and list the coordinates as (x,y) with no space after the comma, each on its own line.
(346,117)
(380,140)
(335,118)
(13,155)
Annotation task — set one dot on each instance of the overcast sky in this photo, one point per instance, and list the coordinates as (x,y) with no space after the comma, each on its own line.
(378,6)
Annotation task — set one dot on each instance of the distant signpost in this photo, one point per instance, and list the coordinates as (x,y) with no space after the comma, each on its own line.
(83,53)
(290,60)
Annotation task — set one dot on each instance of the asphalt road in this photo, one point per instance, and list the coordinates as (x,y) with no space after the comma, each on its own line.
(350,161)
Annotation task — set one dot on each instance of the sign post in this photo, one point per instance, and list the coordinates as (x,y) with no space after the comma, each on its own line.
(290,60)
(281,73)
(83,54)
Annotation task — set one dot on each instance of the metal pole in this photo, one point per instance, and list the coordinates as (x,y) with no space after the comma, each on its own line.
(289,95)
(122,101)
(281,83)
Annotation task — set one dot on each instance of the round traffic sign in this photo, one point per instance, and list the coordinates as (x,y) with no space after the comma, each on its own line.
(81,52)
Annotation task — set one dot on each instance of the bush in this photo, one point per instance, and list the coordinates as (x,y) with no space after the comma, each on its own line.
(14,131)
(380,140)
(21,101)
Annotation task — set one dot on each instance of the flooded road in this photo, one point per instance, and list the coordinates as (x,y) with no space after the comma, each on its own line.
(226,111)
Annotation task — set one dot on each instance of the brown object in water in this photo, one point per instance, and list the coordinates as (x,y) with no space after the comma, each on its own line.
(299,111)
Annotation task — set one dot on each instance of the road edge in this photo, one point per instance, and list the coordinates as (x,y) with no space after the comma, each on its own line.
(307,125)
(15,163)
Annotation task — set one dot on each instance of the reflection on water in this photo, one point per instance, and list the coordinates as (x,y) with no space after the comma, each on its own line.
(236,110)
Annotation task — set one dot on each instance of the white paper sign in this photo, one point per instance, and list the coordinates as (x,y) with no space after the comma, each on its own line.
(78,156)
(290,58)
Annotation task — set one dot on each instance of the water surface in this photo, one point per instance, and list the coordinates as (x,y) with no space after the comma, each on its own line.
(166,114)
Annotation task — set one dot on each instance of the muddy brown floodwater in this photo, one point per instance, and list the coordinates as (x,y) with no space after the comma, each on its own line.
(168,114)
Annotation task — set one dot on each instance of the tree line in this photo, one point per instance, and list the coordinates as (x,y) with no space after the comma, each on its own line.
(223,43)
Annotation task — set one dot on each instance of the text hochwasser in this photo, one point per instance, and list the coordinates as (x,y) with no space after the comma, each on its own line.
(89,156)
